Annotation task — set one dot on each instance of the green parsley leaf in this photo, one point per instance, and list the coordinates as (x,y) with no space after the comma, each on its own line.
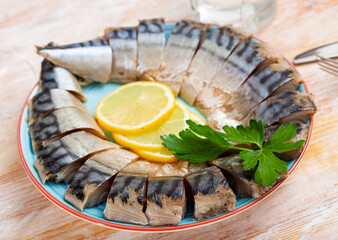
(254,133)
(201,143)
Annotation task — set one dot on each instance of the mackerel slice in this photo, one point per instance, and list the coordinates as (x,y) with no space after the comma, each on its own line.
(59,160)
(242,181)
(194,167)
(91,60)
(123,42)
(52,77)
(267,80)
(166,200)
(211,192)
(302,134)
(61,122)
(49,100)
(178,168)
(91,183)
(143,167)
(183,42)
(285,107)
(127,199)
(213,52)
(150,48)
(232,74)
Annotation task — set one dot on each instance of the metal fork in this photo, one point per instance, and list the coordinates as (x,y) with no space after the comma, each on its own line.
(327,64)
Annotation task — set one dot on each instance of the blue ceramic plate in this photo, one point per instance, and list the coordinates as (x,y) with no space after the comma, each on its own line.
(55,192)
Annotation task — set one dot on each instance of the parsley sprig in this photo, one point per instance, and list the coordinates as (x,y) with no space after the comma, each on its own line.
(201,143)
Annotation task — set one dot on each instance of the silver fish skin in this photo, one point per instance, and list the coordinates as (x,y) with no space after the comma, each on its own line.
(123,42)
(91,60)
(166,200)
(91,183)
(266,81)
(59,160)
(232,74)
(211,192)
(52,77)
(302,134)
(48,100)
(127,199)
(61,122)
(150,48)
(213,52)
(285,107)
(242,181)
(182,44)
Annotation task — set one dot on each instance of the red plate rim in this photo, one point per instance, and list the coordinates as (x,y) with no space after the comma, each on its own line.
(150,229)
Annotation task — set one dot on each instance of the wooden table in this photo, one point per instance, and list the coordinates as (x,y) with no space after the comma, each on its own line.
(304,207)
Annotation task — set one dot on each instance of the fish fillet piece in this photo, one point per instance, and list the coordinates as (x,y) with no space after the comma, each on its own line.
(59,160)
(178,168)
(211,192)
(91,60)
(143,167)
(302,134)
(127,199)
(218,118)
(232,74)
(166,200)
(91,183)
(182,44)
(150,48)
(285,107)
(242,181)
(52,77)
(194,167)
(213,52)
(48,100)
(277,76)
(123,42)
(61,122)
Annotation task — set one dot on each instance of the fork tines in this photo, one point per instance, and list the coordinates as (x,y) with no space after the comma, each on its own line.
(329,65)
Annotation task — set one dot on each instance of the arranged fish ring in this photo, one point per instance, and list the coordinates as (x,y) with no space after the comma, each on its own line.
(223,72)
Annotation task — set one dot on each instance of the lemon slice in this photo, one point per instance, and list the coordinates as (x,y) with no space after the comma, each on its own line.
(162,155)
(151,140)
(197,118)
(135,107)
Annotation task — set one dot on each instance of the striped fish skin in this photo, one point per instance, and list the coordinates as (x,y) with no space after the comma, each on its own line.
(52,77)
(232,74)
(59,160)
(302,134)
(91,183)
(277,76)
(182,44)
(91,60)
(242,181)
(150,48)
(48,100)
(123,42)
(166,200)
(61,122)
(127,199)
(286,107)
(211,192)
(213,52)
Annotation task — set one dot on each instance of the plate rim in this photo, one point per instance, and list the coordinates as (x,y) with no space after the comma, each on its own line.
(118,226)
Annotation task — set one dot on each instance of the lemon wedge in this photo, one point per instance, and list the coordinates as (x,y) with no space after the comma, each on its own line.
(135,107)
(197,118)
(151,140)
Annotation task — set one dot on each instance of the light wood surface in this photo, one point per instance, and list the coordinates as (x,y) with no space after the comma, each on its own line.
(304,207)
